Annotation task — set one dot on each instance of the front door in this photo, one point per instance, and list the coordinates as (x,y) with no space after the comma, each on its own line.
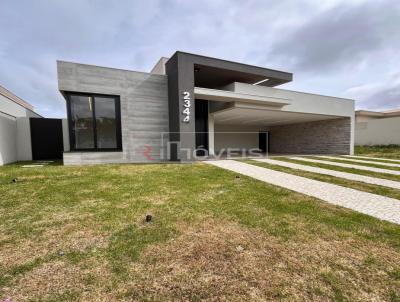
(263,141)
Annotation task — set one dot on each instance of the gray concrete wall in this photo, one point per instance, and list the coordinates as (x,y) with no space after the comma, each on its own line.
(321,137)
(93,158)
(144,106)
(65,131)
(383,131)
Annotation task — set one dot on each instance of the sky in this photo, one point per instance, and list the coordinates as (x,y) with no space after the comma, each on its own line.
(348,48)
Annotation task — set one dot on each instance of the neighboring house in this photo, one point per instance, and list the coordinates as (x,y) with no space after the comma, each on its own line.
(191,101)
(15,141)
(377,128)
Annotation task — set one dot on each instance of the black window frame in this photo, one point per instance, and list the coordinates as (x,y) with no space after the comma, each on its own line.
(117,118)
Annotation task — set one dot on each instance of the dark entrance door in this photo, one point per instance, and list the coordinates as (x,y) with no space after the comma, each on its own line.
(263,141)
(47,138)
(201,126)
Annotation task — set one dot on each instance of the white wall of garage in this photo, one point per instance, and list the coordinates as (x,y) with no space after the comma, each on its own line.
(235,136)
(8,144)
(15,134)
(10,107)
(23,139)
(383,131)
(15,139)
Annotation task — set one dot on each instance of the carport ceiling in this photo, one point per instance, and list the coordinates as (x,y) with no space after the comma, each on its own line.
(257,117)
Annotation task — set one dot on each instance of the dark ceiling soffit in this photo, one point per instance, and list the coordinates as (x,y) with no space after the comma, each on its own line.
(276,77)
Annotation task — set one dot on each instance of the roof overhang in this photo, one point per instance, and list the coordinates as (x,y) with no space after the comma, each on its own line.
(215,73)
(11,96)
(369,113)
(255,115)
(389,113)
(230,96)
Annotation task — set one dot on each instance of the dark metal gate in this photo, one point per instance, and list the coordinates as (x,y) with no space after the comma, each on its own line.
(46,138)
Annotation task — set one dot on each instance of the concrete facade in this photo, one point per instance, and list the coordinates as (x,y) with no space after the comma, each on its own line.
(186,71)
(158,108)
(144,108)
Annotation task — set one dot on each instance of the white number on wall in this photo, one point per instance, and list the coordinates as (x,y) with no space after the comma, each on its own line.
(186,106)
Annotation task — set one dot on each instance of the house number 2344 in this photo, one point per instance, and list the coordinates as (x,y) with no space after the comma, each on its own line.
(186,106)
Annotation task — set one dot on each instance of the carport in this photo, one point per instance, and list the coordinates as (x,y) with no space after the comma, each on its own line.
(245,121)
(243,126)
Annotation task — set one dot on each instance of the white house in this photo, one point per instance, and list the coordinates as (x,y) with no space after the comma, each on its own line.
(377,128)
(15,140)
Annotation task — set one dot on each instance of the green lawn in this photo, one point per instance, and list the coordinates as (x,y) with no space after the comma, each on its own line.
(384,151)
(78,234)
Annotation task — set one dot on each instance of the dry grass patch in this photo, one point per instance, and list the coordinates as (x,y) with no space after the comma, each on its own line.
(68,238)
(48,280)
(223,261)
(79,234)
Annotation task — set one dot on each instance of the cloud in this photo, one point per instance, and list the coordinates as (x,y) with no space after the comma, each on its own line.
(380,95)
(342,37)
(320,41)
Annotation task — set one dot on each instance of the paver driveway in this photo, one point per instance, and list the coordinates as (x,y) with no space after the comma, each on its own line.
(345,175)
(374,158)
(378,206)
(359,167)
(363,161)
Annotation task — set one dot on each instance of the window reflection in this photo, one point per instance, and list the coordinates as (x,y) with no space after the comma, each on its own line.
(106,123)
(95,122)
(82,118)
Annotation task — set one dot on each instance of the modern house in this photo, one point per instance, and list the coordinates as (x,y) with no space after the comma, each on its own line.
(377,128)
(15,141)
(191,105)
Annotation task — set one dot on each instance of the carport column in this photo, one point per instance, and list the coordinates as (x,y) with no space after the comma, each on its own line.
(211,135)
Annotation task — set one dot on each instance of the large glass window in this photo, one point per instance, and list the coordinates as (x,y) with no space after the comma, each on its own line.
(94,122)
(82,117)
(106,124)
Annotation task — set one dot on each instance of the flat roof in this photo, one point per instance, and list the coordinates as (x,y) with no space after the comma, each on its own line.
(214,72)
(386,113)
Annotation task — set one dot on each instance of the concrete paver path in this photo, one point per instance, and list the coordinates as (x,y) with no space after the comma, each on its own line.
(359,167)
(362,161)
(345,175)
(381,207)
(376,158)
